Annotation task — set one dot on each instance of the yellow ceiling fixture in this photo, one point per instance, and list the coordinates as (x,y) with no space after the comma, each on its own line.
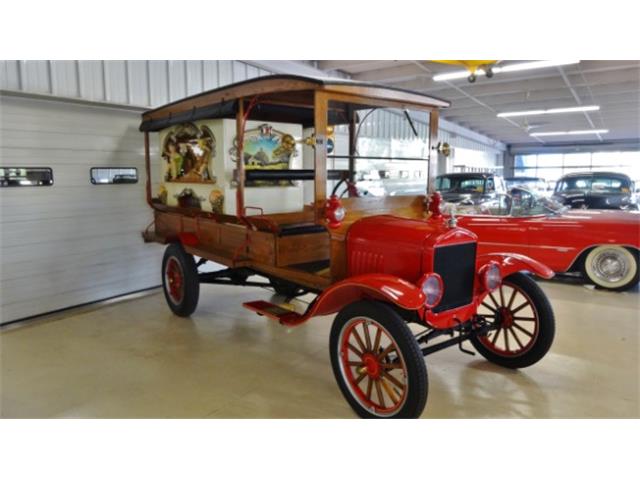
(472,66)
(475,68)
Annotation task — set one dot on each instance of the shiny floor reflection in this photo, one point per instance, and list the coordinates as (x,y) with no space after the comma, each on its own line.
(133,359)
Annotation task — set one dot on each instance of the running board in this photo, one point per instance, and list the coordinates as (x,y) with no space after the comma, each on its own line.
(273,311)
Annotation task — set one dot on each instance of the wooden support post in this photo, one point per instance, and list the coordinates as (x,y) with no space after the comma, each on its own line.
(320,155)
(147,166)
(352,143)
(433,152)
(240,160)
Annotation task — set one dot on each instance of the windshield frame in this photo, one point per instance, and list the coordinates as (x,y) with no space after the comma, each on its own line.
(549,207)
(483,178)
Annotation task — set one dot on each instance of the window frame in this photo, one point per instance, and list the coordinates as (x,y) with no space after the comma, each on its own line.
(50,169)
(91,179)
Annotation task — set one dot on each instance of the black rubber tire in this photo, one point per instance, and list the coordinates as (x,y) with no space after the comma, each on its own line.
(387,317)
(190,277)
(288,290)
(546,326)
(621,288)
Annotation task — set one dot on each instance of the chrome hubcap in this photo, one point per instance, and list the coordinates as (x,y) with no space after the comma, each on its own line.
(610,266)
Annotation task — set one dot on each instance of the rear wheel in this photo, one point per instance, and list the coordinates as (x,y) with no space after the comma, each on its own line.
(180,280)
(523,321)
(612,267)
(377,362)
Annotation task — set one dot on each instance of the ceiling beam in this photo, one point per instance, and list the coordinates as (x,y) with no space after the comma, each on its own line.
(395,74)
(531,81)
(578,100)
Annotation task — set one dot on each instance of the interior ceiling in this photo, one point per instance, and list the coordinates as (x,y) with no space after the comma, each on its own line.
(613,85)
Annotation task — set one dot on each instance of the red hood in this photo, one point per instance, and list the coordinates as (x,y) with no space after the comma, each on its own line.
(398,246)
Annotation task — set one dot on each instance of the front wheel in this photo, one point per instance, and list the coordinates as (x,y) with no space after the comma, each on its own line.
(522,320)
(377,362)
(180,280)
(612,267)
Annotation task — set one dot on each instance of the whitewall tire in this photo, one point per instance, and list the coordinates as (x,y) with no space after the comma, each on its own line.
(612,267)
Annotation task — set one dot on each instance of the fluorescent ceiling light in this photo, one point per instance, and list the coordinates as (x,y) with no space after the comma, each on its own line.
(571,132)
(586,108)
(516,67)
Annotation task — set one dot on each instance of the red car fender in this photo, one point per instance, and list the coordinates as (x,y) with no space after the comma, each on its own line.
(387,288)
(514,262)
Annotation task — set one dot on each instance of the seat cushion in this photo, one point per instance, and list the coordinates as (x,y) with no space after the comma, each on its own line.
(300,229)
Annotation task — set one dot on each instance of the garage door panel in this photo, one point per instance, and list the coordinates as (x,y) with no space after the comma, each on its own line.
(49,111)
(52,140)
(90,293)
(34,123)
(38,197)
(77,158)
(62,229)
(44,211)
(61,249)
(73,242)
(62,281)
(112,255)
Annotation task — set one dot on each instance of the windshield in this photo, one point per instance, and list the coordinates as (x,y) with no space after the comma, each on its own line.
(455,184)
(386,161)
(520,203)
(598,183)
(525,203)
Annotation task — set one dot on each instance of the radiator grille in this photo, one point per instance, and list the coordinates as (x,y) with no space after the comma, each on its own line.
(456,264)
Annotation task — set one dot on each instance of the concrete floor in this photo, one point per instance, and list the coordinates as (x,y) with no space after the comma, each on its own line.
(133,359)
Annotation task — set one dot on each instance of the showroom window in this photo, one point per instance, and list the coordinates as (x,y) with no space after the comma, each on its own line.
(552,166)
(109,176)
(26,177)
(468,160)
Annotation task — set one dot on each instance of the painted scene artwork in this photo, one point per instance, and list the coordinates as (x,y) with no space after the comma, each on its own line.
(266,148)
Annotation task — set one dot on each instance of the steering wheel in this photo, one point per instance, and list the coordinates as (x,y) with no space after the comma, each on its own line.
(350,188)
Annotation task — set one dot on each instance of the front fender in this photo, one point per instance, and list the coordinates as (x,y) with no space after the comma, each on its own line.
(387,288)
(514,262)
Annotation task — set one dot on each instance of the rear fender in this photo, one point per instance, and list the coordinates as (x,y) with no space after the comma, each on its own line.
(387,288)
(514,262)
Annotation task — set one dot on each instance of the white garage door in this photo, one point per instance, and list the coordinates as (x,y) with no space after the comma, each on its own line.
(73,242)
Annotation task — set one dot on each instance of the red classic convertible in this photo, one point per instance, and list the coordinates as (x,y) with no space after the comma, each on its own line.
(603,245)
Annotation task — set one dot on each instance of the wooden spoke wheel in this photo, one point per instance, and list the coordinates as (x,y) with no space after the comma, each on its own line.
(522,321)
(180,280)
(377,362)
(174,278)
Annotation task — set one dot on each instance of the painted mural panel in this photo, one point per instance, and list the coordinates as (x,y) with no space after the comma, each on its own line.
(188,154)
(266,148)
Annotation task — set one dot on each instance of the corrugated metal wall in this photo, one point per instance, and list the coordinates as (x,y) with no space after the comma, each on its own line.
(142,83)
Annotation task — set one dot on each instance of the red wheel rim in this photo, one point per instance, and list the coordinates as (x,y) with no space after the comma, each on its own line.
(174,280)
(515,318)
(372,366)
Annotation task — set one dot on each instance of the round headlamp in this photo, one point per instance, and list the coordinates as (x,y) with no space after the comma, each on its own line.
(491,276)
(433,289)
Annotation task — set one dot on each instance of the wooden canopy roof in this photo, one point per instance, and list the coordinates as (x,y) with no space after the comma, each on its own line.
(284,98)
